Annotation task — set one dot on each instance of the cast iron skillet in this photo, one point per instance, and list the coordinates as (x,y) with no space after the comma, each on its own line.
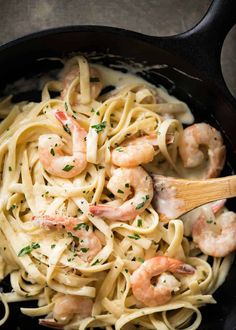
(193,74)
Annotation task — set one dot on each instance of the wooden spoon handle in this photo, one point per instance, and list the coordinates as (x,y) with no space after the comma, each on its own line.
(185,195)
(202,192)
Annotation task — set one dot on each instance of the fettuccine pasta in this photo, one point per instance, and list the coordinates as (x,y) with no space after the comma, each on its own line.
(62,159)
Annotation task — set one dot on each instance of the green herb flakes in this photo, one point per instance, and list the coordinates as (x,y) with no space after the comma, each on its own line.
(13,206)
(84,250)
(28,249)
(67,129)
(209,221)
(96,262)
(99,127)
(82,225)
(140,259)
(134,236)
(67,168)
(52,152)
(140,205)
(140,222)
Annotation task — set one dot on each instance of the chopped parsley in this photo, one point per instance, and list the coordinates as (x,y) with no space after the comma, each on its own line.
(140,222)
(94,79)
(13,206)
(9,168)
(70,234)
(53,246)
(140,259)
(134,236)
(84,250)
(99,127)
(67,129)
(66,106)
(92,110)
(28,249)
(119,149)
(45,194)
(52,152)
(82,225)
(127,185)
(67,168)
(209,221)
(120,191)
(97,113)
(96,262)
(140,205)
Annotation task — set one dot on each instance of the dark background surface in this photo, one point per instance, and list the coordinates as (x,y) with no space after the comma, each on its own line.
(152,17)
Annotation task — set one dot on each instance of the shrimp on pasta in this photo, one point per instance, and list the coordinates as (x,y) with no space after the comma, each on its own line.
(79,232)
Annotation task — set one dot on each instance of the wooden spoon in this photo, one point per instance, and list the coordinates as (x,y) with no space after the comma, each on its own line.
(174,197)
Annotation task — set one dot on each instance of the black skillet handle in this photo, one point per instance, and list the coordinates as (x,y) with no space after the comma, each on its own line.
(202,45)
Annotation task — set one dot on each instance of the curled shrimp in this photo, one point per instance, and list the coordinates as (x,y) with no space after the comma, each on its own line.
(215,237)
(88,243)
(95,82)
(50,149)
(65,308)
(197,135)
(208,210)
(160,294)
(136,151)
(120,184)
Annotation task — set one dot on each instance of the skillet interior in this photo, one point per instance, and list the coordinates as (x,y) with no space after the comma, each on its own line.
(19,59)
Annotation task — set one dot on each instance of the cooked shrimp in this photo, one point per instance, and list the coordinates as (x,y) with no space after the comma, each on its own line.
(215,238)
(208,210)
(65,308)
(120,184)
(197,135)
(160,294)
(95,84)
(136,151)
(133,155)
(50,149)
(88,244)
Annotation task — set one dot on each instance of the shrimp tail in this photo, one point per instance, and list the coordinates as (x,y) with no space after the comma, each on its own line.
(60,115)
(51,323)
(217,206)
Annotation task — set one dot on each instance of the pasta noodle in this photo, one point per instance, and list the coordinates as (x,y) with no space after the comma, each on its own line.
(47,262)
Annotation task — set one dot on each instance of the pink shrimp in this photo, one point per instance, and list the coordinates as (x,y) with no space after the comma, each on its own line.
(88,244)
(136,151)
(50,149)
(160,294)
(215,237)
(65,308)
(120,184)
(198,135)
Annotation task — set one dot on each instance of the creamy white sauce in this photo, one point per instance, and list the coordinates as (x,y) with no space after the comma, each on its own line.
(109,77)
(117,79)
